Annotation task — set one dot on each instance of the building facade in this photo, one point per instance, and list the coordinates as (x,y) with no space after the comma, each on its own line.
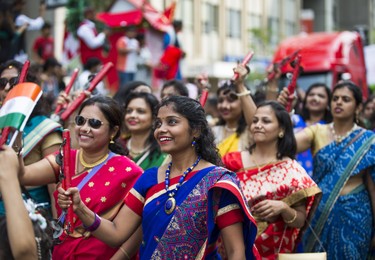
(218,33)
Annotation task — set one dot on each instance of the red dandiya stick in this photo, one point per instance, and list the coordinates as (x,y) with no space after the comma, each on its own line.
(68,88)
(78,101)
(67,178)
(203,97)
(6,130)
(244,62)
(281,64)
(293,82)
(4,135)
(23,73)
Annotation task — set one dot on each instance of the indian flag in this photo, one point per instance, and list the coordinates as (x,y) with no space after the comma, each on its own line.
(18,105)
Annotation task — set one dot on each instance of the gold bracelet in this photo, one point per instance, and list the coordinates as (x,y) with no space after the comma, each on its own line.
(245,93)
(125,253)
(293,219)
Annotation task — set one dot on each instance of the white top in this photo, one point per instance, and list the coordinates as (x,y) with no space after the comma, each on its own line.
(34,24)
(86,32)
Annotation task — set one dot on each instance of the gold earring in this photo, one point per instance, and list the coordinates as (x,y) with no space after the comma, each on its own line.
(111,141)
(357,118)
(281,135)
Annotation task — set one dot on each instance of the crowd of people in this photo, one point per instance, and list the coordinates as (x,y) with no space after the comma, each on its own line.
(158,174)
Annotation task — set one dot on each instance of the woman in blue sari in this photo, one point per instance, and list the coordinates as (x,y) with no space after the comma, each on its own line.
(315,110)
(344,156)
(185,205)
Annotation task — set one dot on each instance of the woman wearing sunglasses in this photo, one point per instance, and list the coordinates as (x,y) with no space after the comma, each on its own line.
(103,176)
(236,109)
(41,135)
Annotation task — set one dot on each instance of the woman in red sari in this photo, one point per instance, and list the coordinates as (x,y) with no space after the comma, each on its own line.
(102,176)
(279,191)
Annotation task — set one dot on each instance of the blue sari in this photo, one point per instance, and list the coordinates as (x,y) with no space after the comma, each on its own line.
(190,231)
(343,223)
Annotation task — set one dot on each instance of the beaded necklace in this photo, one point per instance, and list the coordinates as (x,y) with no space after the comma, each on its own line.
(170,204)
(339,138)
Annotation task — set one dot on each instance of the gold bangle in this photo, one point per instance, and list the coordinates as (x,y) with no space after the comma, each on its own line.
(293,219)
(245,93)
(125,253)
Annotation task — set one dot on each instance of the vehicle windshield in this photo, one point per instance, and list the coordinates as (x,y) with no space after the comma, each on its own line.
(306,80)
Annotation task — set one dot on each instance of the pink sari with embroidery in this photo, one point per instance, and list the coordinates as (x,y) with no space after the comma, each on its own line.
(104,193)
(284,180)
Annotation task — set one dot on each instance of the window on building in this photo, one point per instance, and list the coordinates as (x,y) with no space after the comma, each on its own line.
(185,11)
(211,18)
(233,23)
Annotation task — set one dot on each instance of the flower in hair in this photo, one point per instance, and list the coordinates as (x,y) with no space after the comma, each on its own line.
(34,214)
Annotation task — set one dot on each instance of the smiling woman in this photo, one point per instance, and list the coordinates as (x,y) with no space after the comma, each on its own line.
(182,206)
(140,112)
(104,177)
(236,109)
(279,191)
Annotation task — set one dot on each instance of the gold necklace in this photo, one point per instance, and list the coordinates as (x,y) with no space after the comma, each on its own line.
(262,165)
(134,154)
(91,165)
(339,138)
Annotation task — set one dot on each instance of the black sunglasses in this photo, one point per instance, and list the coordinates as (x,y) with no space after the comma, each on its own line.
(12,82)
(93,123)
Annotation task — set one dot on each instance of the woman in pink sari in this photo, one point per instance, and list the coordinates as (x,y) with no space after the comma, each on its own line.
(102,176)
(279,191)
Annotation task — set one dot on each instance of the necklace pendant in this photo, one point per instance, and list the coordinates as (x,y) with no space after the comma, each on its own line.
(170,205)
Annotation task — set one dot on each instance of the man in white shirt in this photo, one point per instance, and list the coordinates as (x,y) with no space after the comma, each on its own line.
(91,42)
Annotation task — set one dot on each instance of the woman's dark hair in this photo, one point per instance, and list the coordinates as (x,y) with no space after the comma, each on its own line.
(91,63)
(305,113)
(192,110)
(112,112)
(286,146)
(44,236)
(356,91)
(225,88)
(178,85)
(122,93)
(153,103)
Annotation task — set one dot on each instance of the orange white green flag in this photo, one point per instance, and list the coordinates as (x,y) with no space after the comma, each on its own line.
(19,104)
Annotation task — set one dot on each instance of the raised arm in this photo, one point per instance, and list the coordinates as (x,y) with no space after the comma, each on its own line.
(113,233)
(247,103)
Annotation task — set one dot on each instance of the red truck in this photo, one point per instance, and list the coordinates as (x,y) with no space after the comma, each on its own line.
(326,57)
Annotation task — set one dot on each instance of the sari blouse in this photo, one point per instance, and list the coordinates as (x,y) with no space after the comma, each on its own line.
(104,194)
(192,229)
(285,180)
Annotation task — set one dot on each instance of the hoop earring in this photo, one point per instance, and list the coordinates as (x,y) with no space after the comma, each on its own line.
(281,135)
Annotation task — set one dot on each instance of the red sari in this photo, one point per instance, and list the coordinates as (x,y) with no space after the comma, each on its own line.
(284,180)
(104,194)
